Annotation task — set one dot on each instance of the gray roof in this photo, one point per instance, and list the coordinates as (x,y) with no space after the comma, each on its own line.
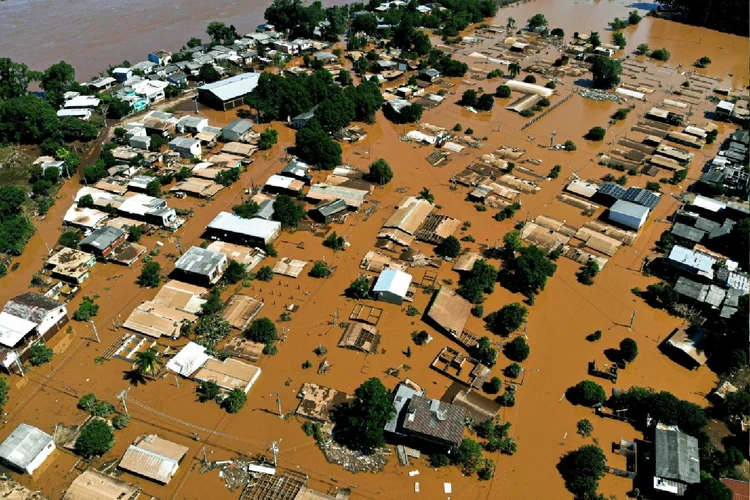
(307,114)
(676,455)
(705,224)
(234,87)
(266,210)
(190,121)
(239,126)
(31,306)
(691,289)
(400,400)
(182,142)
(435,419)
(199,260)
(641,196)
(232,223)
(331,207)
(629,208)
(102,237)
(689,233)
(24,445)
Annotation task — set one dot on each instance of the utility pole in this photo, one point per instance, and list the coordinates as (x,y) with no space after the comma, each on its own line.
(20,366)
(123,396)
(96,332)
(179,244)
(275,450)
(335,317)
(278,401)
(552,138)
(632,321)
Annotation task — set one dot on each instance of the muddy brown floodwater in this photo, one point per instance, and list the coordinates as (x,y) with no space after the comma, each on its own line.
(544,423)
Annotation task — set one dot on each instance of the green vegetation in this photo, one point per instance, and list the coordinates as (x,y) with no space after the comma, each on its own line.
(537,21)
(593,337)
(288,211)
(87,402)
(493,386)
(703,62)
(642,49)
(147,362)
(246,209)
(268,138)
(513,370)
(634,17)
(585,427)
(449,248)
(208,390)
(621,114)
(96,439)
(421,337)
(87,310)
(662,406)
(569,145)
(558,32)
(334,242)
(235,272)
(234,402)
(359,288)
(507,320)
(103,409)
(4,390)
(479,281)
(485,353)
(40,354)
(120,421)
(359,423)
(606,72)
(15,226)
(724,16)
(555,172)
(586,393)
(380,172)
(314,146)
(70,239)
(619,40)
(320,270)
(596,134)
(582,469)
(660,54)
(150,276)
(628,350)
(227,177)
(507,212)
(528,272)
(265,273)
(263,331)
(588,272)
(425,194)
(594,40)
(529,79)
(619,24)
(517,350)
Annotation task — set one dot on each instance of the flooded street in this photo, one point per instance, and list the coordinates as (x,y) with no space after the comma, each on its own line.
(543,421)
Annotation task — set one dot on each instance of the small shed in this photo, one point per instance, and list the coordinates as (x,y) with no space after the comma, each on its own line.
(328,211)
(154,458)
(392,286)
(236,131)
(26,448)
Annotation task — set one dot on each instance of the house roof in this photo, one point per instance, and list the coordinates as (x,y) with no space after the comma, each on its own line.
(188,360)
(676,455)
(702,262)
(191,121)
(183,142)
(402,397)
(331,207)
(393,281)
(449,310)
(23,445)
(182,296)
(258,228)
(740,489)
(95,485)
(102,237)
(31,306)
(630,209)
(230,374)
(153,457)
(199,260)
(233,87)
(689,233)
(433,418)
(239,126)
(324,192)
(614,190)
(410,214)
(13,329)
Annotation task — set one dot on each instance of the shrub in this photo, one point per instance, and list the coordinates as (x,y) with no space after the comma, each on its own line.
(208,390)
(513,370)
(421,337)
(660,54)
(135,233)
(478,311)
(557,32)
(621,114)
(235,401)
(457,127)
(87,402)
(588,272)
(150,276)
(40,354)
(585,428)
(596,134)
(86,310)
(320,270)
(529,79)
(334,242)
(307,364)
(70,239)
(359,288)
(120,421)
(103,409)
(265,273)
(517,350)
(593,337)
(321,350)
(267,139)
(642,49)
(702,62)
(550,85)
(96,439)
(570,145)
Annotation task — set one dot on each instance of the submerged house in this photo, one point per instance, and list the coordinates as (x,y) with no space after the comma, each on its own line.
(392,286)
(26,448)
(677,460)
(201,265)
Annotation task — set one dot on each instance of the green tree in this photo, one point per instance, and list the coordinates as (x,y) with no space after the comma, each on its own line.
(335,242)
(194,42)
(517,350)
(135,233)
(287,211)
(485,353)
(95,439)
(507,320)
(587,393)
(85,201)
(265,273)
(94,173)
(247,209)
(314,146)
(588,272)
(642,49)
(147,362)
(359,288)
(87,402)
(484,103)
(468,455)
(585,428)
(335,113)
(208,74)
(596,133)
(235,272)
(234,402)
(208,390)
(118,108)
(425,194)
(4,390)
(513,370)
(157,143)
(153,188)
(514,69)
(634,17)
(628,350)
(15,78)
(469,98)
(320,270)
(528,273)
(449,248)
(558,32)
(103,409)
(537,21)
(120,421)
(582,469)
(56,80)
(268,138)
(359,424)
(262,330)
(421,337)
(494,385)
(380,172)
(503,91)
(606,72)
(70,239)
(40,354)
(619,39)
(86,310)
(594,39)
(150,276)
(660,54)
(28,120)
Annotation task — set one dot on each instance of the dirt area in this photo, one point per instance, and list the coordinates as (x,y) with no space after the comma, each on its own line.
(544,423)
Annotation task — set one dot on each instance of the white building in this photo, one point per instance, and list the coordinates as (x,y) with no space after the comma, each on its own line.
(202,265)
(187,147)
(392,286)
(191,124)
(45,313)
(26,448)
(628,214)
(234,229)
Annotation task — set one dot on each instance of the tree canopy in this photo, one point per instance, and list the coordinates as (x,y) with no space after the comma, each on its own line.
(507,320)
(450,247)
(262,330)
(314,146)
(587,393)
(380,172)
(582,469)
(95,439)
(360,423)
(606,72)
(528,272)
(287,211)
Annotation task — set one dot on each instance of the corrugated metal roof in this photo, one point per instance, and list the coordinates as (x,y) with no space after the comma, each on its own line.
(629,208)
(393,281)
(200,261)
(689,233)
(258,228)
(676,455)
(234,87)
(102,237)
(23,445)
(154,458)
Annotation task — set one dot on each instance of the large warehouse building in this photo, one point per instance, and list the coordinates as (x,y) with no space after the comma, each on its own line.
(228,93)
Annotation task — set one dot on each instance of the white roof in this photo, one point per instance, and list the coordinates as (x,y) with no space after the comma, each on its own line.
(393,281)
(631,93)
(702,262)
(83,101)
(233,87)
(585,189)
(139,204)
(122,70)
(259,228)
(74,112)
(630,209)
(709,204)
(13,329)
(88,217)
(188,360)
(280,181)
(725,105)
(24,445)
(529,88)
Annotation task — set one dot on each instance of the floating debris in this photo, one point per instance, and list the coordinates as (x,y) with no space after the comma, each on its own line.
(599,95)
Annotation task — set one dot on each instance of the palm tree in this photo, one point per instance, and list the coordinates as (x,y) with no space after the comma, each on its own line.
(425,194)
(511,23)
(514,69)
(147,361)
